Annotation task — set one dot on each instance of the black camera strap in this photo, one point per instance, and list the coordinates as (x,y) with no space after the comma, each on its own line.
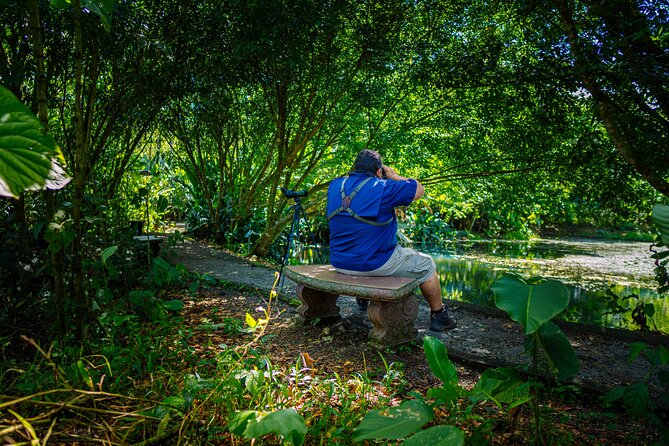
(346,204)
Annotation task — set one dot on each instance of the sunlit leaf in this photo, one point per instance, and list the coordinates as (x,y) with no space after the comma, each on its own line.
(29,159)
(84,374)
(26,424)
(437,358)
(286,423)
(239,420)
(250,321)
(437,436)
(394,423)
(531,303)
(107,253)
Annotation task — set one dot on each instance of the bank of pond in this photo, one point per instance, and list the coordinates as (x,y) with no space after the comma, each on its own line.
(610,284)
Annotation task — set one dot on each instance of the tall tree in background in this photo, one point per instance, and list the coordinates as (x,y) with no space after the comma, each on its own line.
(620,51)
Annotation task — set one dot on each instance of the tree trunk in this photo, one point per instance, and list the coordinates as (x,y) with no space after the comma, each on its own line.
(79,176)
(58,270)
(603,103)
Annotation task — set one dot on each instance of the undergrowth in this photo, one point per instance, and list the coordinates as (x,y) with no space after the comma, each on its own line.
(146,383)
(156,379)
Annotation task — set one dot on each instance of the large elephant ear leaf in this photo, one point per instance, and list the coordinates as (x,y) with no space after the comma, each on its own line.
(661,219)
(558,350)
(532,302)
(29,159)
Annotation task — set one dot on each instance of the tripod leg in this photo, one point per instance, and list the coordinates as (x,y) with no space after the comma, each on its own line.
(294,229)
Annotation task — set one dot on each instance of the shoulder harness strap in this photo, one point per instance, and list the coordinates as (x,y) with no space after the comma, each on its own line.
(346,204)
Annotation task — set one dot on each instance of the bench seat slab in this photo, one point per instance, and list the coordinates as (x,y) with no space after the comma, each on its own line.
(326,278)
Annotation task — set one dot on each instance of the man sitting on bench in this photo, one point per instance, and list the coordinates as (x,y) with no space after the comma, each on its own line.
(363,230)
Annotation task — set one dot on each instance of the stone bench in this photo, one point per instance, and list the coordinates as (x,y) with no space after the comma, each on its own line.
(153,241)
(392,306)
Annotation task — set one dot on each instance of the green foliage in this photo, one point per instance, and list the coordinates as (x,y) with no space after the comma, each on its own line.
(253,424)
(394,423)
(533,303)
(660,217)
(437,436)
(530,302)
(636,397)
(428,228)
(502,386)
(30,159)
(437,358)
(102,8)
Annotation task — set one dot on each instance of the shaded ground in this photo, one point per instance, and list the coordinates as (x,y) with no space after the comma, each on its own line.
(484,337)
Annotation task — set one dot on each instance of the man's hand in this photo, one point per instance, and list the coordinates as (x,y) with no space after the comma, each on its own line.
(391,174)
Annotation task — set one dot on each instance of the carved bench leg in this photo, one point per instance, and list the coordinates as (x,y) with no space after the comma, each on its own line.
(317,305)
(392,322)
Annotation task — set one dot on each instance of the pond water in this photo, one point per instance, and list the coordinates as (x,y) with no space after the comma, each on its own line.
(606,280)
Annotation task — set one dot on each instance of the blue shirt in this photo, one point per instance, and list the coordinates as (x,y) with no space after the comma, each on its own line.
(358,246)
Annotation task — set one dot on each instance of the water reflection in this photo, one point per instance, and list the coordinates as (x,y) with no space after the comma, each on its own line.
(467,278)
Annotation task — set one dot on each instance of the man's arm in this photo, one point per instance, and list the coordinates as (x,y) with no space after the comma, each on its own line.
(392,175)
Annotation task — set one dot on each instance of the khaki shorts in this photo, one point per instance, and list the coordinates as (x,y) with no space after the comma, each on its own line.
(404,262)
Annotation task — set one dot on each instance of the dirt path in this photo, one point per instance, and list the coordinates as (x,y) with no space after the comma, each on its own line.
(484,336)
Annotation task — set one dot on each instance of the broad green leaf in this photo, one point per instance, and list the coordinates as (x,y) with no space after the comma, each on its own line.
(29,159)
(437,358)
(239,420)
(107,253)
(502,386)
(286,422)
(660,217)
(530,303)
(394,423)
(559,351)
(437,436)
(447,394)
(636,398)
(614,394)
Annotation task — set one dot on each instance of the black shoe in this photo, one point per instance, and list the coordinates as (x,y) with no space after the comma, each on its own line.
(442,321)
(362,304)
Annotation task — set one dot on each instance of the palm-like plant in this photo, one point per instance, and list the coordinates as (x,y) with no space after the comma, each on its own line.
(533,303)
